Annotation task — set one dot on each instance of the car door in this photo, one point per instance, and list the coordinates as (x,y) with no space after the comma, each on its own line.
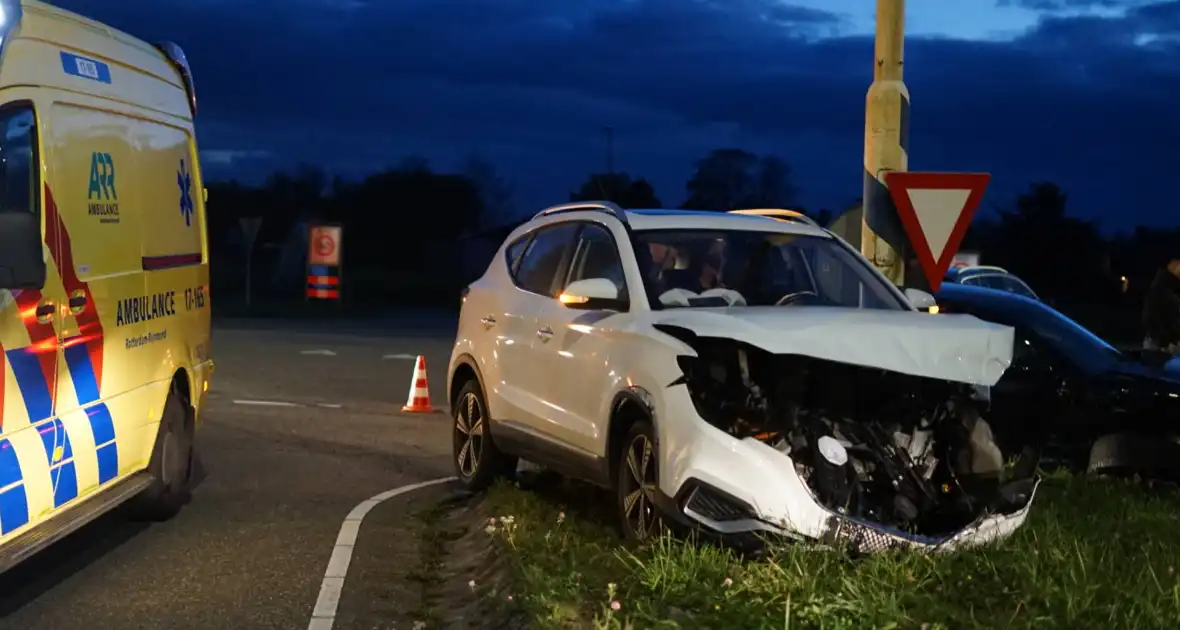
(573,345)
(36,475)
(519,385)
(484,322)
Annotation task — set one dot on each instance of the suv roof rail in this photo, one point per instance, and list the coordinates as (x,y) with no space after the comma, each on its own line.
(781,214)
(574,206)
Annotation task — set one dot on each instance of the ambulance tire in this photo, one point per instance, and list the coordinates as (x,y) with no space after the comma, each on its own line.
(171,465)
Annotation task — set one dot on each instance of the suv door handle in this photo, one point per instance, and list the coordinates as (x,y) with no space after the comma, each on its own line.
(545,333)
(44,311)
(77,303)
(488,321)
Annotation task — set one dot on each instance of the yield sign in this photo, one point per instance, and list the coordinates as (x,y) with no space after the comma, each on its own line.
(935,209)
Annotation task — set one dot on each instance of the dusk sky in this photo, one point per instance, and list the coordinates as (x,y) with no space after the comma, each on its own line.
(1081,92)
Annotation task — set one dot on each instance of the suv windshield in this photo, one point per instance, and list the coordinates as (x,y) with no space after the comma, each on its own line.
(703,268)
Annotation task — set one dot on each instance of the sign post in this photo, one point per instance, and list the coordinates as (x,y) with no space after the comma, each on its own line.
(250,226)
(965,259)
(324,262)
(935,209)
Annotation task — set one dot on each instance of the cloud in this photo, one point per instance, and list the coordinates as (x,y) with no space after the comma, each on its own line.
(1083,98)
(1072,6)
(230,157)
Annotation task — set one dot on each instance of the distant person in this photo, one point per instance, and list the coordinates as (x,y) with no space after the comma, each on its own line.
(1161,310)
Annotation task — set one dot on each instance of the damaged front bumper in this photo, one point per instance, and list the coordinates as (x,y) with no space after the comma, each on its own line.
(730,487)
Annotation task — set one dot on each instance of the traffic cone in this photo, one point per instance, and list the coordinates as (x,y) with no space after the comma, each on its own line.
(419,401)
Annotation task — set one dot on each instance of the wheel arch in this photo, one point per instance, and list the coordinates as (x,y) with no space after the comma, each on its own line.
(627,407)
(465,368)
(182,386)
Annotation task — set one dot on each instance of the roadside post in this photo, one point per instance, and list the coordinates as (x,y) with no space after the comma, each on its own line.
(324,268)
(886,148)
(935,210)
(965,259)
(250,227)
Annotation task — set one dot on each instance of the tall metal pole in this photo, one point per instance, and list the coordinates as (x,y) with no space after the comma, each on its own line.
(887,125)
(610,149)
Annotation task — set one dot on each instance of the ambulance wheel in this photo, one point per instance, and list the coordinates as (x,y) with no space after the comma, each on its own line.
(170,466)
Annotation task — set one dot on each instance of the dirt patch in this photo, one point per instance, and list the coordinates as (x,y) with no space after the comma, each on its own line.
(455,552)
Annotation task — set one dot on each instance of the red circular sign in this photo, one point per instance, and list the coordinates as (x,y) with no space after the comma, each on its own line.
(325,246)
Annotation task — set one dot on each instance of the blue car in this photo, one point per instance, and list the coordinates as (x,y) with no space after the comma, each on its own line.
(1072,395)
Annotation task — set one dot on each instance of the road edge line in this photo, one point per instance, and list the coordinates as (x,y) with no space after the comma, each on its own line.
(323,615)
(265,403)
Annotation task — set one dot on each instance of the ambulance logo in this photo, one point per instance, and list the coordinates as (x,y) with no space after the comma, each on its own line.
(101,196)
(185,183)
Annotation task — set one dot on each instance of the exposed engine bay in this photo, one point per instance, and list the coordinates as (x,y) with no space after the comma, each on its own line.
(906,452)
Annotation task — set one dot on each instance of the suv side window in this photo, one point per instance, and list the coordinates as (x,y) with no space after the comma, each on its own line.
(538,266)
(597,256)
(512,252)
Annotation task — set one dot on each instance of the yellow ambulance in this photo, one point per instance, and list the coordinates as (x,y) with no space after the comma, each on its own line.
(104,303)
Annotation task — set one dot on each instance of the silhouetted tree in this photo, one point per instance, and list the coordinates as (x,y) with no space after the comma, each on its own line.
(823,217)
(1061,256)
(619,188)
(495,193)
(728,179)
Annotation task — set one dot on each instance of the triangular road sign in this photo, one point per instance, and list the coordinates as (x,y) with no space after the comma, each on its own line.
(250,227)
(936,209)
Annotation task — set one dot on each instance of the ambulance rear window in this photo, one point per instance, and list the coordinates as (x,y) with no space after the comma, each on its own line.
(18,171)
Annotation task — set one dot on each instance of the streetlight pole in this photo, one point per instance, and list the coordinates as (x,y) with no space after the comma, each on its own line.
(610,149)
(887,125)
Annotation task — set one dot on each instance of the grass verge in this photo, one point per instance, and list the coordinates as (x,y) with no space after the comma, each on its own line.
(433,536)
(1093,554)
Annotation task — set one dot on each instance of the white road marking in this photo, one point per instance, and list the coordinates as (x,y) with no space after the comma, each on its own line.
(329,405)
(324,613)
(320,353)
(266,403)
(400,357)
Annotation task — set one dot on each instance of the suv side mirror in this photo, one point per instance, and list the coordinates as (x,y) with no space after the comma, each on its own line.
(920,299)
(593,294)
(22,260)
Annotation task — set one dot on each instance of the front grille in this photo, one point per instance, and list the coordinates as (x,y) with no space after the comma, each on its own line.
(859,538)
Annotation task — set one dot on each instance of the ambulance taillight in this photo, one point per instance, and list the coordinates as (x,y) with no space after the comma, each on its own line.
(175,54)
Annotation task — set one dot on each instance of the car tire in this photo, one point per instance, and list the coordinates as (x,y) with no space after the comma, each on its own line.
(171,465)
(636,484)
(478,462)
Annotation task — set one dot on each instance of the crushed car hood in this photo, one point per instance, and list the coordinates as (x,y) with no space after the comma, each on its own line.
(958,348)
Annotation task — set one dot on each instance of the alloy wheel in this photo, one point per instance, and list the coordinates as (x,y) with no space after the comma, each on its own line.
(469,427)
(639,488)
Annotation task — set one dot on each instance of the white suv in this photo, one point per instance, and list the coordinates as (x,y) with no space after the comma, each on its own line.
(732,373)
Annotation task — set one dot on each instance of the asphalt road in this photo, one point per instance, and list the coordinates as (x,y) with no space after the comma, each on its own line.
(277,482)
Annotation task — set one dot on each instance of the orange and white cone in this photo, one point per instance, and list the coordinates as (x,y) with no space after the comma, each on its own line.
(419,400)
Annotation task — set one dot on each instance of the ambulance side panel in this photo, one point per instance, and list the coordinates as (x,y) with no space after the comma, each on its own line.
(96,185)
(174,255)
